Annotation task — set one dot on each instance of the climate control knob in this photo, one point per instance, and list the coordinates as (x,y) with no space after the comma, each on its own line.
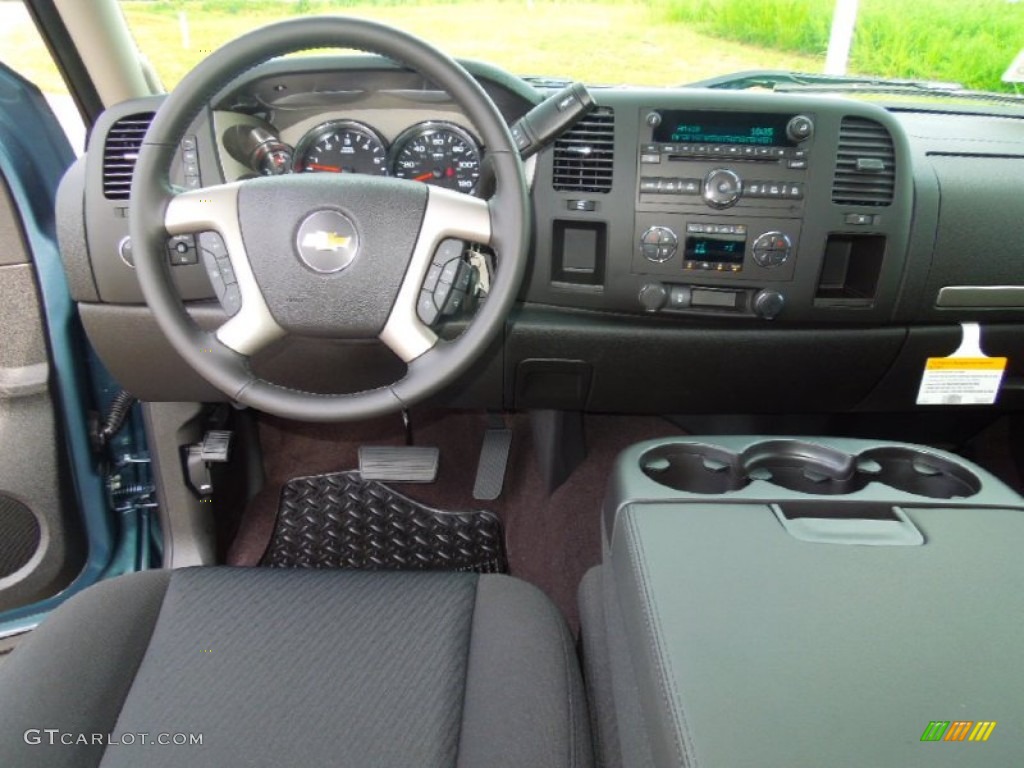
(653,296)
(659,244)
(722,188)
(772,249)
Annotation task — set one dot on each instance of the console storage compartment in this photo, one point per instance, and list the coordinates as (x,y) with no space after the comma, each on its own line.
(807,602)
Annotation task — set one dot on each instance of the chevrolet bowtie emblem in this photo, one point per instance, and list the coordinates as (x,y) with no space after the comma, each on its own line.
(322,240)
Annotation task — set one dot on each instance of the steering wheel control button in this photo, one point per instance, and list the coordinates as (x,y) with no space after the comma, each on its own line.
(463,277)
(659,244)
(449,272)
(433,275)
(772,249)
(212,242)
(218,268)
(181,250)
(448,249)
(426,309)
(454,304)
(232,301)
(446,286)
(327,241)
(226,271)
(722,188)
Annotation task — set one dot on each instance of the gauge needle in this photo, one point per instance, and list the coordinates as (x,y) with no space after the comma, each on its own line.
(424,176)
(318,167)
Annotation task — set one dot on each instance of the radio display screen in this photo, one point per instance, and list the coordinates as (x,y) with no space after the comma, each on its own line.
(713,249)
(756,130)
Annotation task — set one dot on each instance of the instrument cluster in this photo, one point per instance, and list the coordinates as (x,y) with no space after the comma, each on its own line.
(432,152)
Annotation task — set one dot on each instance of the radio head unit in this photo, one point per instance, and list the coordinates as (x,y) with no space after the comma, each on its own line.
(676,126)
(718,159)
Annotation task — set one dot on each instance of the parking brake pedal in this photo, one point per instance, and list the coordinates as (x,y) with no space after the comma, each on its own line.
(490,472)
(215,448)
(399,464)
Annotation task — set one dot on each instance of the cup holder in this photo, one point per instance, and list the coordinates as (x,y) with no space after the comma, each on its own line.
(694,468)
(807,468)
(918,472)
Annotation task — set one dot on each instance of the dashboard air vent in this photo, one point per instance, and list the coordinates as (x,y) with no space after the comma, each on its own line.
(584,157)
(865,164)
(120,152)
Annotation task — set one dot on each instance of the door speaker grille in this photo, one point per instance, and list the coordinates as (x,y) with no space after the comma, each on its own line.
(19,535)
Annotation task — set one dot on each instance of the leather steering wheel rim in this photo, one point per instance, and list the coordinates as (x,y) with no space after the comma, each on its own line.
(503,221)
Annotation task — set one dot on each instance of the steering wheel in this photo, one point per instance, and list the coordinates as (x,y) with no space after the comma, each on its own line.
(327,255)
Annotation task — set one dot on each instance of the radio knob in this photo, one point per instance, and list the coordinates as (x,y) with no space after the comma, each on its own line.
(659,244)
(800,128)
(768,304)
(722,188)
(653,119)
(653,296)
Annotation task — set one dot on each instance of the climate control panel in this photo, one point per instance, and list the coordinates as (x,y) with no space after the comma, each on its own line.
(759,250)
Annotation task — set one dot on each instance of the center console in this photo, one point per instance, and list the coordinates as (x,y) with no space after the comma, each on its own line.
(782,602)
(792,209)
(723,193)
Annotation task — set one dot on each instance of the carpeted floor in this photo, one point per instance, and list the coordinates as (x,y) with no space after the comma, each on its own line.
(552,539)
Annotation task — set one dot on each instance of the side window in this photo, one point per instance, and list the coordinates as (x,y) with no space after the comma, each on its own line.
(23,50)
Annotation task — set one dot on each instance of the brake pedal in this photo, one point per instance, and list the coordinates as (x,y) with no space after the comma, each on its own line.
(399,464)
(490,471)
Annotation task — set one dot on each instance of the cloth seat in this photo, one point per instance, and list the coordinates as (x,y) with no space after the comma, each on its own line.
(297,668)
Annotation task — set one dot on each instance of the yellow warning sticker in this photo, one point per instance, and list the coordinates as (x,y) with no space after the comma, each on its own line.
(966,364)
(967,377)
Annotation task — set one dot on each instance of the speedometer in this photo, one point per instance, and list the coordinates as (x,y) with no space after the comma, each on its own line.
(438,153)
(342,146)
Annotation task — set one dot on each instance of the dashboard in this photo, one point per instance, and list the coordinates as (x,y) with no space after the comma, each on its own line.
(713,250)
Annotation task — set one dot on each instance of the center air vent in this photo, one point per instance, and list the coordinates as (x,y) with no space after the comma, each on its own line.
(584,157)
(120,151)
(865,164)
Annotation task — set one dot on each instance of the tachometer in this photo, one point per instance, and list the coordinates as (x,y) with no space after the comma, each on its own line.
(438,153)
(342,146)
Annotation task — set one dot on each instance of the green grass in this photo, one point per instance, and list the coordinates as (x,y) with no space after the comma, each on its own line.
(966,41)
(596,41)
(658,42)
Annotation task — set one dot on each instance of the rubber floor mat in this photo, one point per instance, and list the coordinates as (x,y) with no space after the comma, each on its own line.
(342,521)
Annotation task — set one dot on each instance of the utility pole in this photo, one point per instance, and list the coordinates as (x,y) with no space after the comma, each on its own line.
(844,19)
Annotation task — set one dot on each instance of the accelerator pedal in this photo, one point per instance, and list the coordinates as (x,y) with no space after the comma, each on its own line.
(399,464)
(494,452)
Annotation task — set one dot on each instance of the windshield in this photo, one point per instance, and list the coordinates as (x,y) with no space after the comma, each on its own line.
(659,43)
(976,43)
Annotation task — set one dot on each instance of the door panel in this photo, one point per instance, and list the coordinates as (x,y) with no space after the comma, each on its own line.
(40,533)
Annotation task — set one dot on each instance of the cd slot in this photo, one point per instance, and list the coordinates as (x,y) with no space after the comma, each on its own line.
(737,158)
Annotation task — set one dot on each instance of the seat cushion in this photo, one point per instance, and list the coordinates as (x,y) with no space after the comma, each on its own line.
(298,667)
